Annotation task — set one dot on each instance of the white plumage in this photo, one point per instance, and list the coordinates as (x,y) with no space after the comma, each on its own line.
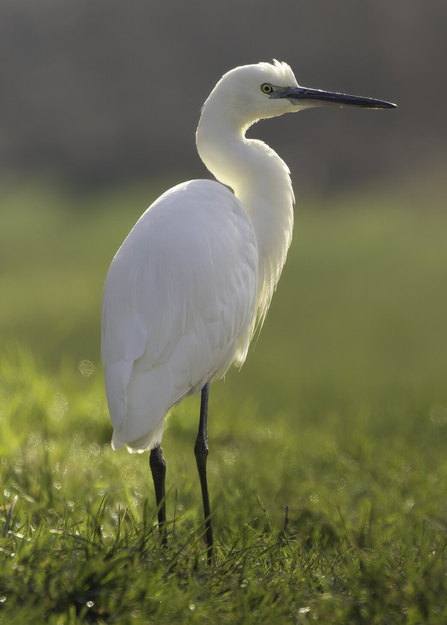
(177,308)
(195,277)
(197,272)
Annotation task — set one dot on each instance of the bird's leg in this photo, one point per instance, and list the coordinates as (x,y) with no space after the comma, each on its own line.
(158,468)
(201,453)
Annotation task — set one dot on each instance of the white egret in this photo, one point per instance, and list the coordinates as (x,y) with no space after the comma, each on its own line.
(195,276)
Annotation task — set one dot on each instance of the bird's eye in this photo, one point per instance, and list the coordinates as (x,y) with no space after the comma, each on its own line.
(267,88)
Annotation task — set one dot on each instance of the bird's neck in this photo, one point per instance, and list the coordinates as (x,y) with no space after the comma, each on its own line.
(261,182)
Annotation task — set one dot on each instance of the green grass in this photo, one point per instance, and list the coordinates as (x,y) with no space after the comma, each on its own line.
(340,414)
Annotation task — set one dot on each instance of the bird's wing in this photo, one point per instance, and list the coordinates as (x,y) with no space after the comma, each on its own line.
(178,302)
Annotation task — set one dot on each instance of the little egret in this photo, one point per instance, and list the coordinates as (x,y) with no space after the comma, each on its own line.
(194,278)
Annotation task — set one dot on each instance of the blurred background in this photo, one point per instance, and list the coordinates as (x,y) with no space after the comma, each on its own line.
(109,91)
(98,110)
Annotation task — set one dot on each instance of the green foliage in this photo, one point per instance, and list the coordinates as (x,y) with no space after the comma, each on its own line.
(327,452)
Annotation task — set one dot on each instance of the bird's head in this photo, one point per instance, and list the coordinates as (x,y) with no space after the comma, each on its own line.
(252,92)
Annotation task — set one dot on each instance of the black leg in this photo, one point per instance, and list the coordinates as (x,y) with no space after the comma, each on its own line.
(201,453)
(158,468)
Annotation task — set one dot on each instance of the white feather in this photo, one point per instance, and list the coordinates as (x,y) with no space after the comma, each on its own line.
(196,275)
(178,302)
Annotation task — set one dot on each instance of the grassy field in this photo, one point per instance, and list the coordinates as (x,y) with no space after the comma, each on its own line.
(339,414)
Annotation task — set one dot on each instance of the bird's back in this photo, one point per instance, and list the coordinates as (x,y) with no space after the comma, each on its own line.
(178,302)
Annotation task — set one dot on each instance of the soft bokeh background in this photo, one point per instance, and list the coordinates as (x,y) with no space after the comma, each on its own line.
(99,105)
(110,91)
(340,412)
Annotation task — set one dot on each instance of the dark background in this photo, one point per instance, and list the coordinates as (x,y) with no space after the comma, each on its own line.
(106,92)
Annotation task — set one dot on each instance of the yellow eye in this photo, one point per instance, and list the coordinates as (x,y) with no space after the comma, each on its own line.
(267,88)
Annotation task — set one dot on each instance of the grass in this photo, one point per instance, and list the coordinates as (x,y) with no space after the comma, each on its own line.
(339,416)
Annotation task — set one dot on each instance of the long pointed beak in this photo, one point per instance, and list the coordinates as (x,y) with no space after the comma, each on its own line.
(316,97)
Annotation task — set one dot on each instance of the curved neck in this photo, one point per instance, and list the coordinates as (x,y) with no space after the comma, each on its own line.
(261,182)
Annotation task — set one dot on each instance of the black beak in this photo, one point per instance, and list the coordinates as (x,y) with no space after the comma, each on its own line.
(316,97)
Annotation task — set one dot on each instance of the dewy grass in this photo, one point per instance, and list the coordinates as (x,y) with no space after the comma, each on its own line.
(338,417)
(365,538)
